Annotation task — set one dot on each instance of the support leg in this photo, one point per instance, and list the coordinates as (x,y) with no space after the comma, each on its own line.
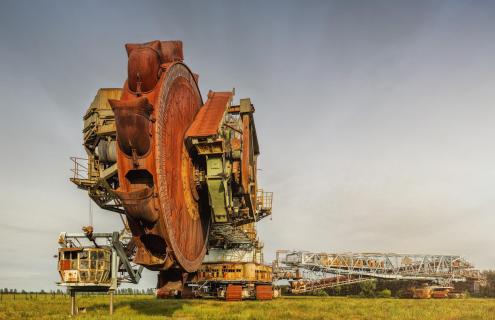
(111,302)
(73,310)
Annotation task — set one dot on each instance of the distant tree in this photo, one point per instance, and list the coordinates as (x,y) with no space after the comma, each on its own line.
(385,293)
(489,289)
(320,293)
(367,288)
(335,291)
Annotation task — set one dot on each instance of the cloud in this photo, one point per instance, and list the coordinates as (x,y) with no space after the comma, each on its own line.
(374,120)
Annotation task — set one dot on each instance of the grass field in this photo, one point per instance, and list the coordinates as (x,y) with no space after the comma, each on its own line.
(147,307)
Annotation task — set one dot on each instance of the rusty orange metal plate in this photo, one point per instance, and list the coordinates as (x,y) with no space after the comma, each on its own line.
(167,217)
(209,117)
(264,292)
(233,292)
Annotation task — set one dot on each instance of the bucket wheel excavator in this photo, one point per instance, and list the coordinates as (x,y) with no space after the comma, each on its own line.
(178,170)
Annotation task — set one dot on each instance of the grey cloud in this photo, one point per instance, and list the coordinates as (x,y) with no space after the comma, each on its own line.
(375,119)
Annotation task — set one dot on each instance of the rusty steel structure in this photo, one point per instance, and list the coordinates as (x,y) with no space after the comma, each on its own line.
(236,272)
(182,173)
(311,271)
(96,262)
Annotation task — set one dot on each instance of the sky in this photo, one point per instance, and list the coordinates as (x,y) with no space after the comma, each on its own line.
(375,118)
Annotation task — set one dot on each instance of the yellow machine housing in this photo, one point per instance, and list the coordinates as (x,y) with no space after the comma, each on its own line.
(235,272)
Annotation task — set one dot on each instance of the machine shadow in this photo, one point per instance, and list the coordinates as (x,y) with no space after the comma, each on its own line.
(151,307)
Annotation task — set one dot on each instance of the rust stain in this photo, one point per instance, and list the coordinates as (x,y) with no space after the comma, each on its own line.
(159,102)
(209,118)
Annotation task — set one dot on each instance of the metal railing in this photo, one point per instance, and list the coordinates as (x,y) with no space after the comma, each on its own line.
(264,200)
(79,170)
(436,268)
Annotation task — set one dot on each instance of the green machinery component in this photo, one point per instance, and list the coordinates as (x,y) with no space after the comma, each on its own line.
(224,138)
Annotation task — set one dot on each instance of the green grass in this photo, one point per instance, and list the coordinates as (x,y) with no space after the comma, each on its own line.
(147,307)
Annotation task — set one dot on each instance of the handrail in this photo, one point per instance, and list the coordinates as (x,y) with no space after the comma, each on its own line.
(264,200)
(79,171)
